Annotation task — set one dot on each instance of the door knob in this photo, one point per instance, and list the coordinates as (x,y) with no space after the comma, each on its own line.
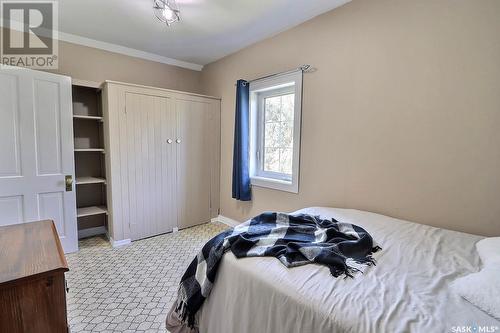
(169,141)
(178,140)
(69,183)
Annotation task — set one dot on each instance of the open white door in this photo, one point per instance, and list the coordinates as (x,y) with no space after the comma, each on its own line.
(36,151)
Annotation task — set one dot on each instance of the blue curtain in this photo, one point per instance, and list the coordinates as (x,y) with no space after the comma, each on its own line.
(241,178)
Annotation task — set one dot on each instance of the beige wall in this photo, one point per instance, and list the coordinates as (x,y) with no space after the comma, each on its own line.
(402,116)
(90,64)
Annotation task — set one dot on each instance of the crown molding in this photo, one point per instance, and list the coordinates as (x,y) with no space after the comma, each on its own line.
(97,44)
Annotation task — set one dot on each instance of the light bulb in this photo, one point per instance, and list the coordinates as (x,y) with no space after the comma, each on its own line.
(168,13)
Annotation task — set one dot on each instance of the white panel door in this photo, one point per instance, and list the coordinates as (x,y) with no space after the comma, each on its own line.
(148,155)
(194,167)
(36,151)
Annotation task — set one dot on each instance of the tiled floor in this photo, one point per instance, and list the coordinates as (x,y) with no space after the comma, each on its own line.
(130,289)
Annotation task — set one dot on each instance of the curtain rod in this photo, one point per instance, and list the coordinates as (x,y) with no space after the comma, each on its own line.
(304,68)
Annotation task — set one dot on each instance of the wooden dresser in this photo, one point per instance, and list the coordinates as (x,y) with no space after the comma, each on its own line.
(32,284)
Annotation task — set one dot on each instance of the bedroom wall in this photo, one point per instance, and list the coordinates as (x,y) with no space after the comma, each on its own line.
(402,116)
(91,64)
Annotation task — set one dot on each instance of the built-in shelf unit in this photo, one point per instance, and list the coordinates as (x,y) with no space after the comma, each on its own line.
(89,159)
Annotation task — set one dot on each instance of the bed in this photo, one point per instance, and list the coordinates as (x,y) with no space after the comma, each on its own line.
(408,290)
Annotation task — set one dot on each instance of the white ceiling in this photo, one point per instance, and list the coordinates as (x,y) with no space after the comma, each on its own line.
(208,31)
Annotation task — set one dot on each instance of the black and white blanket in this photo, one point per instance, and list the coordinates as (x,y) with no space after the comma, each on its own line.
(294,239)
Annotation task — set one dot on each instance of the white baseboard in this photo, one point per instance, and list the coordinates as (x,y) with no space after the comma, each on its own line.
(225,220)
(89,232)
(121,242)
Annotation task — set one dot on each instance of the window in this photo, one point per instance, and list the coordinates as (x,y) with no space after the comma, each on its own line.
(275,109)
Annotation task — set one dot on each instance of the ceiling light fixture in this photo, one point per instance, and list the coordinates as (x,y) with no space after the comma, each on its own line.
(166,11)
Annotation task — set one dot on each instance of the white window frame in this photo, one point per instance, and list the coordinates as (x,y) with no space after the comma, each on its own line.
(259,90)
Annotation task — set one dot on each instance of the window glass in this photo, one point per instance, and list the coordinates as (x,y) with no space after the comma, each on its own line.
(278,133)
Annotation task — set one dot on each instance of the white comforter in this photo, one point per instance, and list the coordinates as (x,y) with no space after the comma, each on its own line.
(406,292)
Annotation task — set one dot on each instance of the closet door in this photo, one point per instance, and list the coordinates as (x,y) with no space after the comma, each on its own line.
(148,162)
(194,165)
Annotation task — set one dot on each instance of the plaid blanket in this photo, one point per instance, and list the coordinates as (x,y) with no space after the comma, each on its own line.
(295,240)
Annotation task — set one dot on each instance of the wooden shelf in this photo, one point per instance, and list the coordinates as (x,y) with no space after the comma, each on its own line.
(92,231)
(90,180)
(76,116)
(82,150)
(85,83)
(92,210)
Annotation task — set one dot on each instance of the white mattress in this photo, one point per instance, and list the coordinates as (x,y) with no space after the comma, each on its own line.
(406,292)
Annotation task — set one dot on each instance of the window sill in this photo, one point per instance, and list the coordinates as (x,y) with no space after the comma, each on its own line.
(275,184)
